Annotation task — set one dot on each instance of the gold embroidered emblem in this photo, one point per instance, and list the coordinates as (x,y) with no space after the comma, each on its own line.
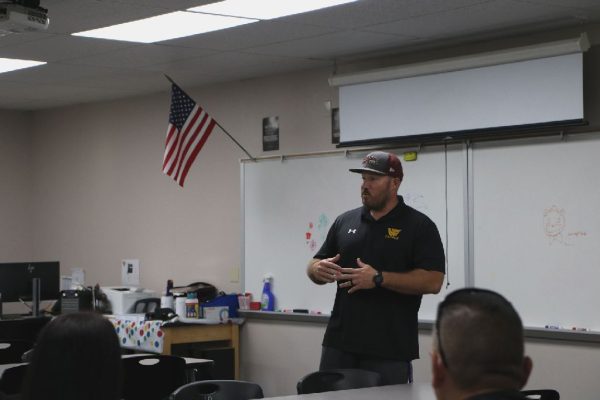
(392,233)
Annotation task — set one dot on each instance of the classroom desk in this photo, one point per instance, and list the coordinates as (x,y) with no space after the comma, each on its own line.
(190,362)
(158,337)
(196,369)
(25,328)
(413,391)
(179,333)
(4,367)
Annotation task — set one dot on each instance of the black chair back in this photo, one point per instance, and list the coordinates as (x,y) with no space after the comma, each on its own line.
(149,305)
(218,390)
(541,394)
(11,350)
(152,377)
(12,379)
(338,379)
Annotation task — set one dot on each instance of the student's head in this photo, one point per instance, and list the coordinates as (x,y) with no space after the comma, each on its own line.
(478,345)
(77,357)
(382,174)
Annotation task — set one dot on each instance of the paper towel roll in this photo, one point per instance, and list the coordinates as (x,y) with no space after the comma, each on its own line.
(166,302)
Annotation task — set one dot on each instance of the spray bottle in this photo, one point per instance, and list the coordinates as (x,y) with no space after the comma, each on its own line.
(267,299)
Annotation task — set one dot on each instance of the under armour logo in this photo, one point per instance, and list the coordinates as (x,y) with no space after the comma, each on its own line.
(351,230)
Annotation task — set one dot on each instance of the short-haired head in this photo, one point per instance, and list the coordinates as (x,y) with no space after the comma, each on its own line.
(479,337)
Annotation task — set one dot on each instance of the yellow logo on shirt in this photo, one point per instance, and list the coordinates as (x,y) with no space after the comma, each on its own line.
(392,233)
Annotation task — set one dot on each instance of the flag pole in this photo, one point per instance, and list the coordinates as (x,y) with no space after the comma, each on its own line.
(219,125)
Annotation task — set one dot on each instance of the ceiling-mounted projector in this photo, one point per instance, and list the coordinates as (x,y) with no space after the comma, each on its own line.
(22,16)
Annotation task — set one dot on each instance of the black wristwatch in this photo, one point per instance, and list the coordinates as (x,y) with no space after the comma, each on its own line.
(378,279)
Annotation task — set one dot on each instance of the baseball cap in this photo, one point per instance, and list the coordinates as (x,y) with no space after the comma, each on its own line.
(381,163)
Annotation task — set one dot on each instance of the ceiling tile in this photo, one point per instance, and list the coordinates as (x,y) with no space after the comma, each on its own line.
(20,38)
(373,12)
(491,16)
(60,48)
(242,63)
(592,5)
(251,35)
(334,45)
(69,16)
(142,56)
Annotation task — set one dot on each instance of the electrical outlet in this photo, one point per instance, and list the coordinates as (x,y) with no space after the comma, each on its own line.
(234,275)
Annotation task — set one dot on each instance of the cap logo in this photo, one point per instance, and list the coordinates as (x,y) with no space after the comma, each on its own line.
(370,161)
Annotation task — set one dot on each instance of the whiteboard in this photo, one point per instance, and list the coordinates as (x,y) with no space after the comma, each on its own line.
(288,206)
(537,227)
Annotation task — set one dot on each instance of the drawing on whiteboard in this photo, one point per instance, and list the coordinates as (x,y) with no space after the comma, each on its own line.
(315,235)
(555,224)
(322,225)
(416,201)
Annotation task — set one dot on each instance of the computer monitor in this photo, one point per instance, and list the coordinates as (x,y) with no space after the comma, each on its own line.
(16,280)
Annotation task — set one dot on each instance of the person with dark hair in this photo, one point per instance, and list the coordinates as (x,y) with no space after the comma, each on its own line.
(77,357)
(384,256)
(478,349)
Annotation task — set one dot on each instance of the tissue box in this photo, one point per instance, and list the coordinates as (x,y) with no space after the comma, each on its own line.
(227,300)
(216,313)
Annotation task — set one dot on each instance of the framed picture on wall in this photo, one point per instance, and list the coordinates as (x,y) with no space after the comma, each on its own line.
(270,133)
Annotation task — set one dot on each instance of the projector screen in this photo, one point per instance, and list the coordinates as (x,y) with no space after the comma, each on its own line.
(543,91)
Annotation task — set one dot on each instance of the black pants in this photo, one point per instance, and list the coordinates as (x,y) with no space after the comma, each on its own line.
(392,371)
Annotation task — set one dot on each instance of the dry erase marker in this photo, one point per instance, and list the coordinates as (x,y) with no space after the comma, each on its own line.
(300,310)
(579,329)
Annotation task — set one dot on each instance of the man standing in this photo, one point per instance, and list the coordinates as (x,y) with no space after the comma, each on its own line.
(384,257)
(478,350)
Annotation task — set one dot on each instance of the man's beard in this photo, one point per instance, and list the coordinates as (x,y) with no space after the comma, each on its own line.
(372,203)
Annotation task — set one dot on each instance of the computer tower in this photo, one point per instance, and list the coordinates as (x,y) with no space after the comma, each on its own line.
(75,300)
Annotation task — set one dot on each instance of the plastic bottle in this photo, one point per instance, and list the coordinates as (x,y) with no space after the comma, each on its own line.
(191,306)
(180,308)
(167,301)
(267,299)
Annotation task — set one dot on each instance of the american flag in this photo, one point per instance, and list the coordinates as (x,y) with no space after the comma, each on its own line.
(189,128)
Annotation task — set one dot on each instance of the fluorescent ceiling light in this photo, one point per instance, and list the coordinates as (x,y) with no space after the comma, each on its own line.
(266,9)
(13,64)
(164,27)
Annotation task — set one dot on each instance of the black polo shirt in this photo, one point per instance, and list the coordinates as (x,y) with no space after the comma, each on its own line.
(380,322)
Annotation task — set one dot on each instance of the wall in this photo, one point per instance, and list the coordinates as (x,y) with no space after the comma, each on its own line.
(15,191)
(15,187)
(100,196)
(277,354)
